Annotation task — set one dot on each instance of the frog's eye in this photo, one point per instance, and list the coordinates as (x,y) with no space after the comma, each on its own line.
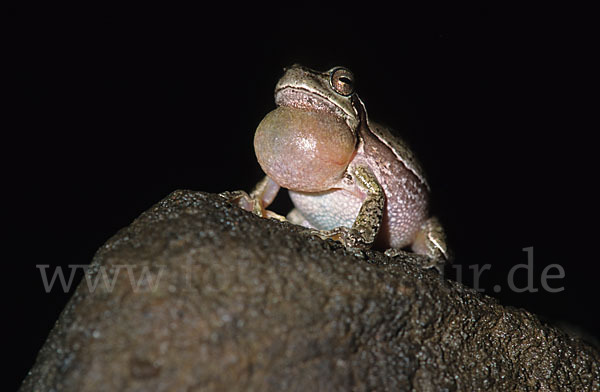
(342,81)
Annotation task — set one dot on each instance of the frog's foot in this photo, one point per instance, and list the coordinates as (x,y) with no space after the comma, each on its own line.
(258,200)
(430,241)
(350,238)
(249,203)
(273,215)
(244,201)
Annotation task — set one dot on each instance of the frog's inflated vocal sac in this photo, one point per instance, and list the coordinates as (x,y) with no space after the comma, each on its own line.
(350,179)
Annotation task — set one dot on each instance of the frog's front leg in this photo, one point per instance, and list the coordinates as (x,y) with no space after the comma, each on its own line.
(258,200)
(367,223)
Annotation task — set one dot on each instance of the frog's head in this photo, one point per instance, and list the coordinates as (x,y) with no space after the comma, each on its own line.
(307,142)
(331,91)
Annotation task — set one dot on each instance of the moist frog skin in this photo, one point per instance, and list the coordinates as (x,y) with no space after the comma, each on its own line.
(350,178)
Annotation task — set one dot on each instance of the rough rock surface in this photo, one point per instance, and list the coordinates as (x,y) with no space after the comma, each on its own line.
(234,302)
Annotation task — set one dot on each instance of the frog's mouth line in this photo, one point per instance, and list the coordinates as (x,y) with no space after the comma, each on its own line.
(306,99)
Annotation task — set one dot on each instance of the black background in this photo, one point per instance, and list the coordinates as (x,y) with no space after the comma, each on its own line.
(112,109)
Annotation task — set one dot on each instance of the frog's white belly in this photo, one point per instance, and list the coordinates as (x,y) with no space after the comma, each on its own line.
(327,210)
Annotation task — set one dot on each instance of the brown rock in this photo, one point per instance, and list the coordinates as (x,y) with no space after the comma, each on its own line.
(233,302)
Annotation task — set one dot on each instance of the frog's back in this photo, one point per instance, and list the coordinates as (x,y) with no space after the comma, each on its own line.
(400,149)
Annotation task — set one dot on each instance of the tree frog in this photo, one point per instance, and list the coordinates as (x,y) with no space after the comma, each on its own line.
(350,179)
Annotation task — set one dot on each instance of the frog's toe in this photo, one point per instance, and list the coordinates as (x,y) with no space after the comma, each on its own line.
(431,242)
(394,252)
(273,215)
(244,201)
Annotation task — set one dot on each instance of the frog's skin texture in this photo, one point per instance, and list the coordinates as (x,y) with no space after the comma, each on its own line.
(350,179)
